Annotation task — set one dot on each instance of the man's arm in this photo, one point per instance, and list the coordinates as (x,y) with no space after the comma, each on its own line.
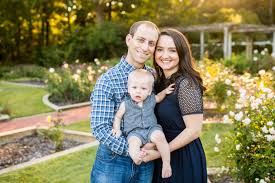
(117,121)
(161,95)
(102,116)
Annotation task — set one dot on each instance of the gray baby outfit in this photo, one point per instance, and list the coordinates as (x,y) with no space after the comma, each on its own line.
(140,121)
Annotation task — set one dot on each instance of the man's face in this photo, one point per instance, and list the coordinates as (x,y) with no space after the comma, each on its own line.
(141,46)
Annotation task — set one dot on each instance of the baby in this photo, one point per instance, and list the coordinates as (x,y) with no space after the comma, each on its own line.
(140,123)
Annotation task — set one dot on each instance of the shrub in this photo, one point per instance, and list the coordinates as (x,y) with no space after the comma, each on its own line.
(73,83)
(49,56)
(261,60)
(22,71)
(252,144)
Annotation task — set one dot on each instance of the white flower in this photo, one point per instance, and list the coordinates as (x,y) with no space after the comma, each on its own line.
(120,4)
(77,61)
(133,6)
(265,49)
(239,116)
(264,129)
(238,147)
(262,181)
(247,121)
(226,119)
(270,138)
(75,77)
(269,123)
(262,52)
(231,113)
(270,95)
(96,60)
(272,131)
(261,72)
(65,65)
(255,59)
(228,92)
(216,149)
(273,54)
(218,139)
(256,179)
(227,81)
(238,106)
(255,51)
(78,71)
(51,70)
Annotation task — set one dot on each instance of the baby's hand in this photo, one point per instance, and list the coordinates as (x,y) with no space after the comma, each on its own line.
(170,88)
(116,132)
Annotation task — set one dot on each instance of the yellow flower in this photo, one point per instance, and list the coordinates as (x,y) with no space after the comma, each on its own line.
(49,119)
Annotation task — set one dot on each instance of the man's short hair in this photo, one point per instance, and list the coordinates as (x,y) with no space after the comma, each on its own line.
(135,26)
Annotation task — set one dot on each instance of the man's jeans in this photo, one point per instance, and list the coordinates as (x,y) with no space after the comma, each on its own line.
(112,168)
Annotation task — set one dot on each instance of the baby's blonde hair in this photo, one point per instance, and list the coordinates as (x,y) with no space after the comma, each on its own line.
(141,74)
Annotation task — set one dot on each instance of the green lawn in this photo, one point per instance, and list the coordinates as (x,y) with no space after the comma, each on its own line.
(83,126)
(72,168)
(23,100)
(209,131)
(76,167)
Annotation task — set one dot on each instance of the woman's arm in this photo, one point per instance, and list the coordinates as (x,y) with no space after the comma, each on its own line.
(193,123)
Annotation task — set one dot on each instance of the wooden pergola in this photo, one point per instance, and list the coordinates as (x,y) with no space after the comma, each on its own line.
(228,29)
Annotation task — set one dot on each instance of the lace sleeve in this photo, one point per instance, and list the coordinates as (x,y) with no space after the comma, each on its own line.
(189,98)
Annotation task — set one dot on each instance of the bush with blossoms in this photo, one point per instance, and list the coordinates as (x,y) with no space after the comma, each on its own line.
(218,80)
(251,147)
(73,83)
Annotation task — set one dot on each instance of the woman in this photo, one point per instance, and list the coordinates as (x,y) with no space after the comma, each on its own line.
(180,114)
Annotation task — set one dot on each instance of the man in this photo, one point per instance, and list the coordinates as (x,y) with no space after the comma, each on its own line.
(113,163)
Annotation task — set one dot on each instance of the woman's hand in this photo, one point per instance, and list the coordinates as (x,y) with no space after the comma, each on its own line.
(150,155)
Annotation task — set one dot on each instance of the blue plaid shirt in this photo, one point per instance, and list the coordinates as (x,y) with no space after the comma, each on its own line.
(108,93)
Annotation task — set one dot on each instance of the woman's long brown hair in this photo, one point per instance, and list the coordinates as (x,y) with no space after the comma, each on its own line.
(186,61)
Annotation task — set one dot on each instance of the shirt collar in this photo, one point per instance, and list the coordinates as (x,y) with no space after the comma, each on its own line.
(128,67)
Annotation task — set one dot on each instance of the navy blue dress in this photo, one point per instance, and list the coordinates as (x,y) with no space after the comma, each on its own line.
(188,163)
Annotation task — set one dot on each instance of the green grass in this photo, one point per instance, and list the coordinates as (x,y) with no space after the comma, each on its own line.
(83,126)
(22,100)
(76,167)
(72,168)
(214,159)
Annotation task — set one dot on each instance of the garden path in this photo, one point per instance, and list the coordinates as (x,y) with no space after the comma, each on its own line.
(67,116)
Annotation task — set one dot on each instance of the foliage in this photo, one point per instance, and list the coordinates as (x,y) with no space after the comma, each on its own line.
(218,81)
(252,144)
(261,60)
(73,83)
(4,109)
(22,71)
(49,56)
(54,133)
(100,41)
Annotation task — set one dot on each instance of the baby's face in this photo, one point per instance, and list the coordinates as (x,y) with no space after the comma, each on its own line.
(139,90)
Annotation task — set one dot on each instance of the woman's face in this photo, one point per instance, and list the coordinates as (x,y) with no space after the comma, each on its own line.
(166,55)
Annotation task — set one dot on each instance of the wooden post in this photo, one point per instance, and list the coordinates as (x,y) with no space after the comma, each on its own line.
(273,45)
(225,42)
(229,45)
(249,47)
(201,45)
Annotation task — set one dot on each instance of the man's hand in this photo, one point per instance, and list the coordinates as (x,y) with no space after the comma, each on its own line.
(116,132)
(150,155)
(149,146)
